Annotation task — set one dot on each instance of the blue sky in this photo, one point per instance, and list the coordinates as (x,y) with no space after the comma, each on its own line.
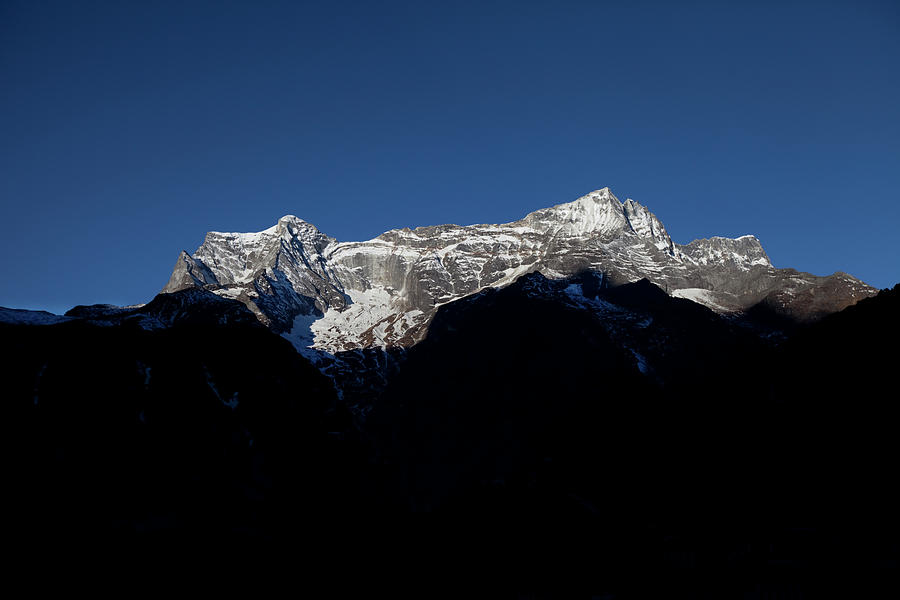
(129,129)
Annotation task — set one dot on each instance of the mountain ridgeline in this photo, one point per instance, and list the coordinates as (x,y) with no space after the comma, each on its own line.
(571,387)
(336,296)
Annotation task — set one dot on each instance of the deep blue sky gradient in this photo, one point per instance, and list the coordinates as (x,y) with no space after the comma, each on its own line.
(129,129)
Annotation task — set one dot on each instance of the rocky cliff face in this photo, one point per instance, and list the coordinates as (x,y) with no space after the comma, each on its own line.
(337,296)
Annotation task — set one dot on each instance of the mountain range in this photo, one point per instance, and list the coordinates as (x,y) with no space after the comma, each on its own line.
(570,387)
(336,296)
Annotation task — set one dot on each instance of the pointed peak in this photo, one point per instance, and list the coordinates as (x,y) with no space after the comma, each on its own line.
(291,219)
(603,197)
(294,226)
(600,195)
(598,212)
(188,272)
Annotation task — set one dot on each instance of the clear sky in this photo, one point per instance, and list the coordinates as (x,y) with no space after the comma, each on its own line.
(129,129)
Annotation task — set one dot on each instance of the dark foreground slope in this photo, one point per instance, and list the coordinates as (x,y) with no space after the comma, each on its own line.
(651,437)
(512,380)
(640,444)
(211,429)
(836,389)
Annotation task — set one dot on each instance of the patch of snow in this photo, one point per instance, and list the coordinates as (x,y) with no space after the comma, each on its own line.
(233,293)
(232,403)
(368,309)
(641,362)
(700,296)
(301,335)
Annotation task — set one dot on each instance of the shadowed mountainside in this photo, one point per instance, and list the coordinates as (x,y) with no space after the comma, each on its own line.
(646,434)
(199,430)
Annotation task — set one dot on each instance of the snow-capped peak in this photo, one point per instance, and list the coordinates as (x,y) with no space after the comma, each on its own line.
(596,213)
(291,219)
(292,224)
